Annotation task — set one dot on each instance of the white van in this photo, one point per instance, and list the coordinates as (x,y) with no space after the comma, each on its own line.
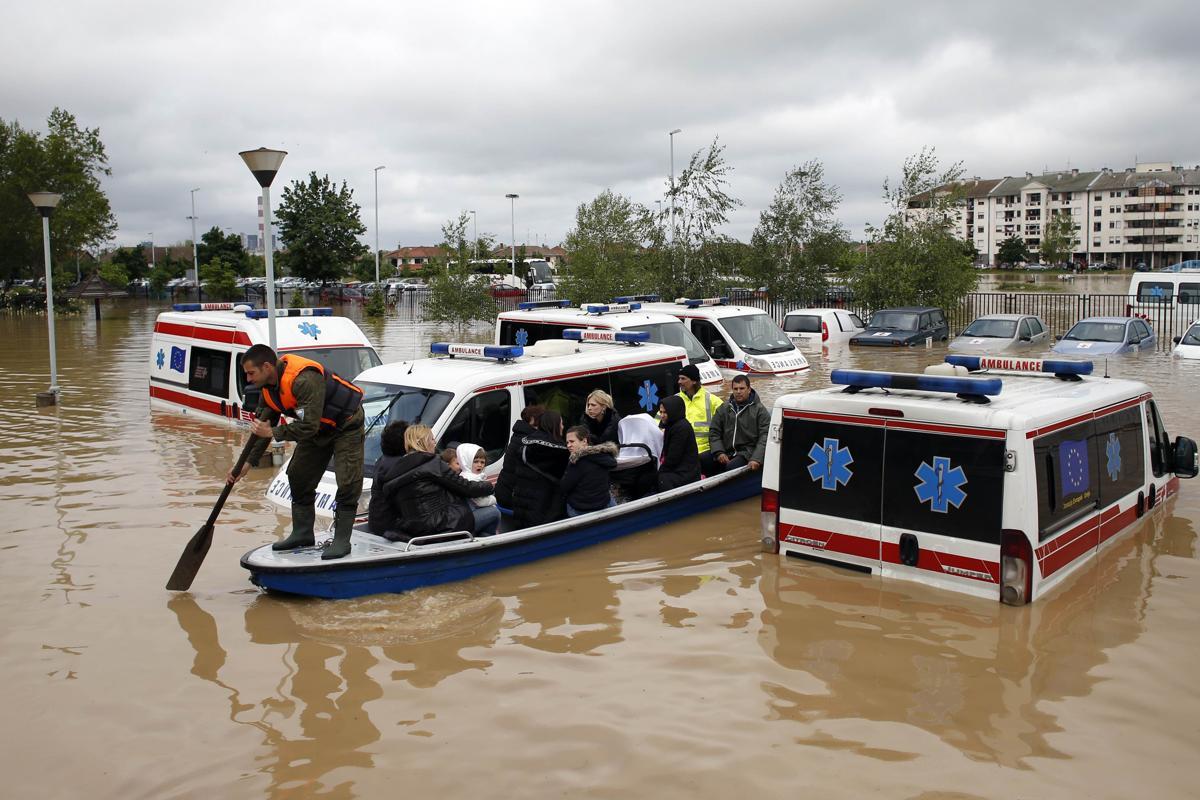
(821,327)
(740,339)
(475,393)
(996,485)
(547,319)
(196,354)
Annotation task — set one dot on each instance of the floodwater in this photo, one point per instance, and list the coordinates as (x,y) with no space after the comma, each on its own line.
(676,663)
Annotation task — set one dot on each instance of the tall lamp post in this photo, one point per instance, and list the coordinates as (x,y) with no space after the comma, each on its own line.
(377,225)
(45,202)
(672,137)
(153,262)
(475,234)
(513,221)
(195,260)
(264,165)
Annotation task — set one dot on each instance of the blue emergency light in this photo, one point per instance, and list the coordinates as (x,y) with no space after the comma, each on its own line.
(975,389)
(1067,370)
(628,337)
(261,313)
(212,306)
(614,308)
(643,298)
(500,352)
(536,304)
(707,301)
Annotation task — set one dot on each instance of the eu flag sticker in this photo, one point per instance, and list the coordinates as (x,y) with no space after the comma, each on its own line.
(177,356)
(1073,467)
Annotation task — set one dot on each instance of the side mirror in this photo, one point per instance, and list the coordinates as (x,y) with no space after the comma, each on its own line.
(1177,339)
(1186,464)
(1057,338)
(1026,338)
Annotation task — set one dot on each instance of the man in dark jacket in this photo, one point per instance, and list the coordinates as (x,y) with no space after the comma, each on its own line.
(738,434)
(534,462)
(585,484)
(680,459)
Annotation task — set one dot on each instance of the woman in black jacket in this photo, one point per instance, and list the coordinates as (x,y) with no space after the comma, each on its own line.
(585,484)
(427,494)
(601,418)
(533,464)
(680,460)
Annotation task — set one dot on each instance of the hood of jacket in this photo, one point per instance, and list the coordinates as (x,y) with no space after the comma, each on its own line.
(603,453)
(673,405)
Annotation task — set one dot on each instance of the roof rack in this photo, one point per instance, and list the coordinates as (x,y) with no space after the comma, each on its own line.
(613,308)
(212,306)
(536,304)
(691,302)
(498,352)
(262,313)
(642,298)
(1063,370)
(627,337)
(973,390)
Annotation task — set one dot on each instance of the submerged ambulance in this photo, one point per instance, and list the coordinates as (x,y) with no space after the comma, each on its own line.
(196,354)
(997,477)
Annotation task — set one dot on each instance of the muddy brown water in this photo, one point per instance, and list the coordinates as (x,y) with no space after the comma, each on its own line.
(676,663)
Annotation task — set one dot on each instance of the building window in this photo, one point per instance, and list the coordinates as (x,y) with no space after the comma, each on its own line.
(1097,212)
(1096,226)
(979,229)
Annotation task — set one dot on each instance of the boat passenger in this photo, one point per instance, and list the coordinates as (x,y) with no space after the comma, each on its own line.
(450,456)
(476,458)
(738,435)
(600,418)
(585,484)
(533,466)
(382,514)
(525,426)
(426,493)
(699,406)
(680,462)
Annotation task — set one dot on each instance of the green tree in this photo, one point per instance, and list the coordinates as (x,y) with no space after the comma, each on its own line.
(168,267)
(69,160)
(215,244)
(115,273)
(606,250)
(220,279)
(457,296)
(1059,240)
(319,224)
(133,261)
(702,205)
(1012,250)
(916,257)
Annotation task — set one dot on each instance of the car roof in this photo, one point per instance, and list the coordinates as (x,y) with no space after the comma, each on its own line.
(1008,317)
(913,309)
(816,311)
(570,316)
(292,333)
(1121,320)
(711,312)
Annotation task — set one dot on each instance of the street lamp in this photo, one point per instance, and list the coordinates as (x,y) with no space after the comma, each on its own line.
(672,137)
(264,165)
(45,203)
(475,230)
(513,221)
(195,261)
(153,263)
(377,225)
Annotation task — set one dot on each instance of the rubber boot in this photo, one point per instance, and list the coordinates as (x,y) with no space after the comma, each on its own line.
(343,526)
(303,518)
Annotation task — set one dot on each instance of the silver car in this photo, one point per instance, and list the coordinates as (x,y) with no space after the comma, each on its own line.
(995,333)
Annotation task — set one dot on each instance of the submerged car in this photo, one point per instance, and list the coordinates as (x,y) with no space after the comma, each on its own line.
(1097,336)
(994,333)
(1188,345)
(821,326)
(896,327)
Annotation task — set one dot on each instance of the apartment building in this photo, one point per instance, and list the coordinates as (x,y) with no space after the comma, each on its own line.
(1148,214)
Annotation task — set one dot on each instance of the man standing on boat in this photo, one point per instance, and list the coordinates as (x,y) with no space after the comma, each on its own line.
(738,435)
(699,407)
(325,420)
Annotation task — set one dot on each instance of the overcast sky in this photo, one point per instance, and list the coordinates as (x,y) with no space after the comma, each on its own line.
(556,101)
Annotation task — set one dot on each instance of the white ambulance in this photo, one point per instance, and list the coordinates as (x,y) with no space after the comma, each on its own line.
(741,339)
(998,484)
(196,354)
(547,319)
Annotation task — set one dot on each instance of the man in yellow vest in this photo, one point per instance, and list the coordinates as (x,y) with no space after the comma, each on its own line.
(699,407)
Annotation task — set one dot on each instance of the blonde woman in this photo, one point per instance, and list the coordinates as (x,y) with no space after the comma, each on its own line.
(600,418)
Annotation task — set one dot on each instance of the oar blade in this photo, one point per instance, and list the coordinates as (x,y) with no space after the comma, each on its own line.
(190,561)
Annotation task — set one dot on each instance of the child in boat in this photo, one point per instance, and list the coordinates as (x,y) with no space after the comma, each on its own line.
(473,460)
(585,484)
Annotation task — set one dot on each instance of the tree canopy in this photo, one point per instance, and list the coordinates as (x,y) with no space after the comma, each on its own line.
(215,244)
(1059,240)
(607,248)
(319,224)
(457,295)
(1012,250)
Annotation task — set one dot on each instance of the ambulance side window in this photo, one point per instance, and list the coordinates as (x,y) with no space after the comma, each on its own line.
(209,373)
(249,393)
(710,338)
(1157,439)
(1068,468)
(566,397)
(832,470)
(510,332)
(1119,443)
(639,391)
(483,420)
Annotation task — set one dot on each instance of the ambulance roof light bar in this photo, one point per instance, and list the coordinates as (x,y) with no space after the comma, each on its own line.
(262,313)
(642,298)
(633,338)
(536,304)
(212,307)
(698,302)
(1063,370)
(974,390)
(499,352)
(612,308)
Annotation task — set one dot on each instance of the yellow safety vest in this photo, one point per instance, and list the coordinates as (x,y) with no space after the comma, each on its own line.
(699,411)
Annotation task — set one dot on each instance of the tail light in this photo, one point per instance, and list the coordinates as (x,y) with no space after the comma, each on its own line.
(1016,568)
(770,520)
(824,331)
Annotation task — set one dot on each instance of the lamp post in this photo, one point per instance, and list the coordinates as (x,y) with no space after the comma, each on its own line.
(672,137)
(513,221)
(195,260)
(45,202)
(264,165)
(475,233)
(153,262)
(377,225)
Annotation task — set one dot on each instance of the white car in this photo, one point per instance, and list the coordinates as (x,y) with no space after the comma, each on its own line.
(821,326)
(1188,345)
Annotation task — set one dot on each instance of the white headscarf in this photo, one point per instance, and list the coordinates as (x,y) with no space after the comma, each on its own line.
(466,459)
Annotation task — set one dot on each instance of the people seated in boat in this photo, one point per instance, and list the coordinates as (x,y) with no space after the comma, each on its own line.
(600,417)
(738,435)
(641,442)
(585,484)
(680,461)
(533,466)
(427,496)
(450,456)
(381,513)
(699,406)
(473,460)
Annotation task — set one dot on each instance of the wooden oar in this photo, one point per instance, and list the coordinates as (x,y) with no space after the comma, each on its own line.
(197,548)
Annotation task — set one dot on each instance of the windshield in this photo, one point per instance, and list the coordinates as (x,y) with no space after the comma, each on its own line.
(992,328)
(757,334)
(383,404)
(347,362)
(894,321)
(1097,332)
(674,333)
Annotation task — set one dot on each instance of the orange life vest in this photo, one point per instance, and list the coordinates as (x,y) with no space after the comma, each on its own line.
(342,398)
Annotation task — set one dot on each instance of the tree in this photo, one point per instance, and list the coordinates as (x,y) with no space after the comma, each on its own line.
(133,261)
(1012,250)
(115,273)
(1060,240)
(220,279)
(606,248)
(916,258)
(168,268)
(227,247)
(319,224)
(69,160)
(457,295)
